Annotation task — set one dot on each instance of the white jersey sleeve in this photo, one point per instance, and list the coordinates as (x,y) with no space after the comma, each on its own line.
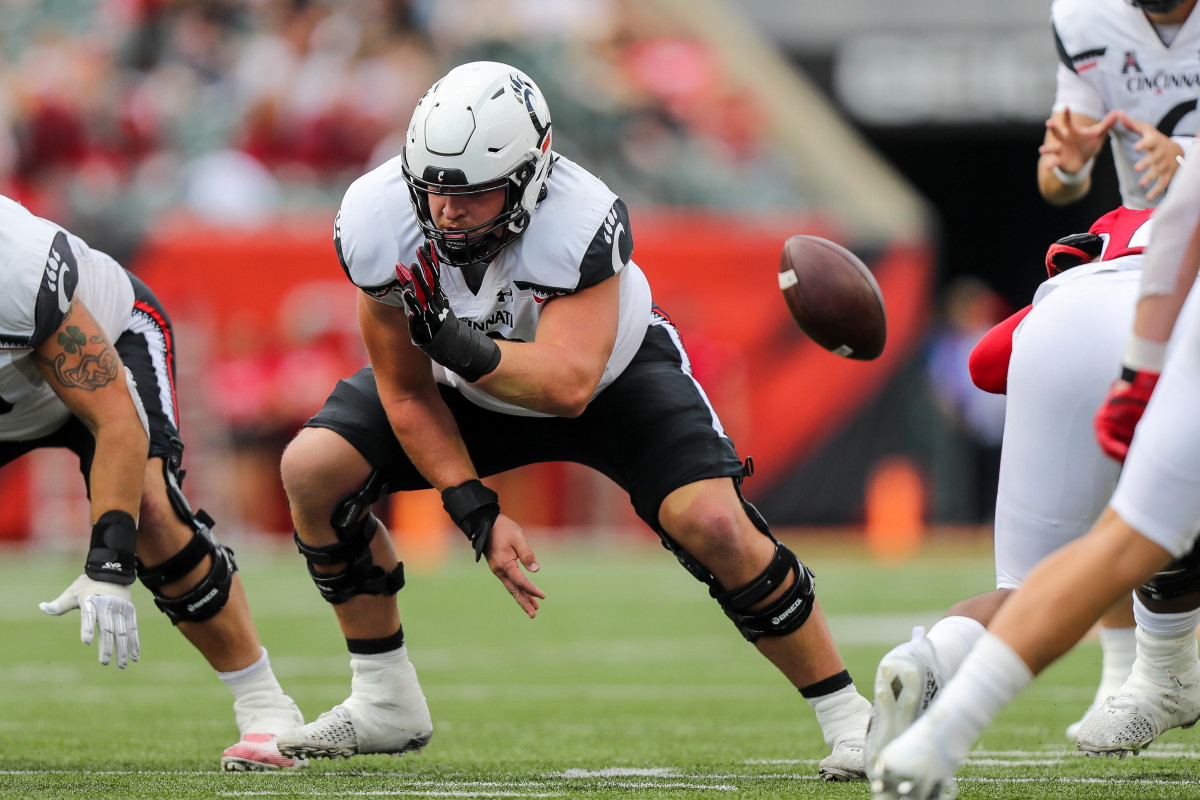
(39,277)
(376,229)
(1075,93)
(44,271)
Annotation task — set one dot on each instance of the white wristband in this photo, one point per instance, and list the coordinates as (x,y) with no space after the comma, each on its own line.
(1075,178)
(1144,355)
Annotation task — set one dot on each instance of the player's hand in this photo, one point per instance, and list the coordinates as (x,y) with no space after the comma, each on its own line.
(507,551)
(1161,159)
(108,605)
(1071,251)
(1120,412)
(1071,146)
(421,288)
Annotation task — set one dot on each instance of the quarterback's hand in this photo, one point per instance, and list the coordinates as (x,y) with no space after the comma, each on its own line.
(507,551)
(1161,159)
(1071,145)
(424,299)
(1121,410)
(106,604)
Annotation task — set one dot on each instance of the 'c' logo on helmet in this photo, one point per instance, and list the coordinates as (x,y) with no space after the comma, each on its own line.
(441,175)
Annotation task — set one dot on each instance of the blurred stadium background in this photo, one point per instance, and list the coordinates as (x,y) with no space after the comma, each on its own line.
(206,144)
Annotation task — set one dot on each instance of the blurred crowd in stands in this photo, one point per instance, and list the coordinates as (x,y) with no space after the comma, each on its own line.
(113,112)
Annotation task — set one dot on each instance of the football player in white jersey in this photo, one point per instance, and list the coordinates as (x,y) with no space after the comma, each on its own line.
(1129,72)
(1055,360)
(87,363)
(523,332)
(1152,517)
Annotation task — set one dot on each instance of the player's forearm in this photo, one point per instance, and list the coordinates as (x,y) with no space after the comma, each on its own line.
(118,468)
(544,378)
(431,440)
(1055,191)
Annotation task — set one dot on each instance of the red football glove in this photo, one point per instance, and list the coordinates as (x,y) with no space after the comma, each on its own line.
(1071,251)
(1121,410)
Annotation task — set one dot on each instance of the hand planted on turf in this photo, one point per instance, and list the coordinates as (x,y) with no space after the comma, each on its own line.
(423,296)
(108,605)
(1119,413)
(506,552)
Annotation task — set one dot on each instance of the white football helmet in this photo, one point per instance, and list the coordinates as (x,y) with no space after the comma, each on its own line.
(482,127)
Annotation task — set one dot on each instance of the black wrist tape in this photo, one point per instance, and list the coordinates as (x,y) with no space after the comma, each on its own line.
(113,554)
(463,349)
(474,509)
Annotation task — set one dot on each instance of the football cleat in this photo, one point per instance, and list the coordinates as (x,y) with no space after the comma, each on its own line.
(342,732)
(845,763)
(258,752)
(1129,721)
(906,681)
(1163,692)
(913,768)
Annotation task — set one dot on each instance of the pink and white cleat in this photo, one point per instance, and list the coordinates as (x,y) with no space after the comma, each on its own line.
(258,752)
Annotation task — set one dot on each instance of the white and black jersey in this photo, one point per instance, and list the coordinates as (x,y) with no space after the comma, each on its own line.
(578,236)
(42,271)
(1112,57)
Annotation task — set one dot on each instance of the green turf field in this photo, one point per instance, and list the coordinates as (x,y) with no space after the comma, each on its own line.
(630,683)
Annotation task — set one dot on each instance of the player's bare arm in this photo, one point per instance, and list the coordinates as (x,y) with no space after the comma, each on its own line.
(81,365)
(558,372)
(1072,141)
(427,431)
(83,368)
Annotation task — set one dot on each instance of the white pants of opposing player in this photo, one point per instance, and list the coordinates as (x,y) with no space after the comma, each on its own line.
(1159,490)
(1054,478)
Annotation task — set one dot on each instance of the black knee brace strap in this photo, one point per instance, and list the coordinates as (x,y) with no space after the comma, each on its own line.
(206,598)
(1180,577)
(783,615)
(353,548)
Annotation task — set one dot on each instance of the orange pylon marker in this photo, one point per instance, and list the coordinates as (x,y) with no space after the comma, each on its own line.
(895,509)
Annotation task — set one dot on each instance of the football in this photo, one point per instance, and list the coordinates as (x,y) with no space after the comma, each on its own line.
(833,297)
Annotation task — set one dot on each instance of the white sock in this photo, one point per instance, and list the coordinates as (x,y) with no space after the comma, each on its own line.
(1118,647)
(988,680)
(259,702)
(842,714)
(952,638)
(376,674)
(1165,625)
(1174,654)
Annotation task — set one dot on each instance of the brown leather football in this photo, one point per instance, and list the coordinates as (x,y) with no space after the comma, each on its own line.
(833,296)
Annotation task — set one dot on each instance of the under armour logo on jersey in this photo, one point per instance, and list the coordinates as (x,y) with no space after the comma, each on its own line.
(502,294)
(1131,63)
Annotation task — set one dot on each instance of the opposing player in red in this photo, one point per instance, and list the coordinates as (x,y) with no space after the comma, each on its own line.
(1152,517)
(87,363)
(516,328)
